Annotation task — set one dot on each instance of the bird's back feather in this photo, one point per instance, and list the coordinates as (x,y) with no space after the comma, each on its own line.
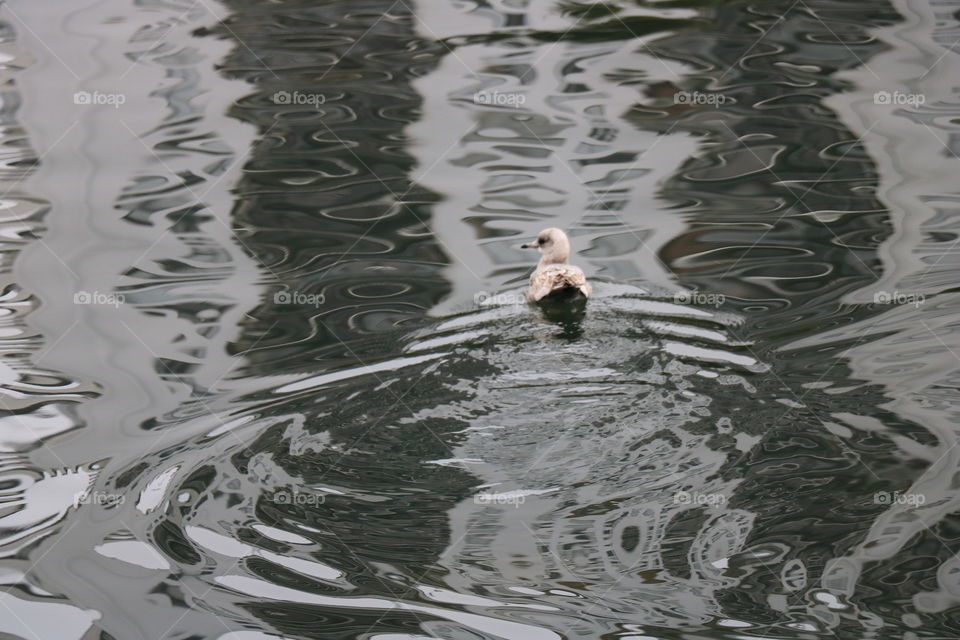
(557,278)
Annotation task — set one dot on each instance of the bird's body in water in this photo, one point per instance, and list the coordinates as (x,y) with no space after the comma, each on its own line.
(554,279)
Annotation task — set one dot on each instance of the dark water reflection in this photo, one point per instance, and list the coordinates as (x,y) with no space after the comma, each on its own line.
(300,399)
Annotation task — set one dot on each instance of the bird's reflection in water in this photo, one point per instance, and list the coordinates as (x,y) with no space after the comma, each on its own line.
(567,312)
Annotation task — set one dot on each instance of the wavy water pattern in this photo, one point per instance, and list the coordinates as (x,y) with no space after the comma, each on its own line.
(268,372)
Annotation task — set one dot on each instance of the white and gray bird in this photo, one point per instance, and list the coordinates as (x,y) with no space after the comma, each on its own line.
(553,277)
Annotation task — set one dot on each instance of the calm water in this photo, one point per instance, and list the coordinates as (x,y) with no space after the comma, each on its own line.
(264,375)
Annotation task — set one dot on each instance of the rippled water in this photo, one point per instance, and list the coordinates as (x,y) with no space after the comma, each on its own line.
(265,374)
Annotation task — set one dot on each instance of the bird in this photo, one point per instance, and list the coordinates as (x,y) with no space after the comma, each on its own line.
(553,278)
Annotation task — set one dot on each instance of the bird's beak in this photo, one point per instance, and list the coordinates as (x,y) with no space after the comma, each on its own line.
(529,245)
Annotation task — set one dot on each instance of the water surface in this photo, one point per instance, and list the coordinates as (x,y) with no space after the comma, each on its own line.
(266,374)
